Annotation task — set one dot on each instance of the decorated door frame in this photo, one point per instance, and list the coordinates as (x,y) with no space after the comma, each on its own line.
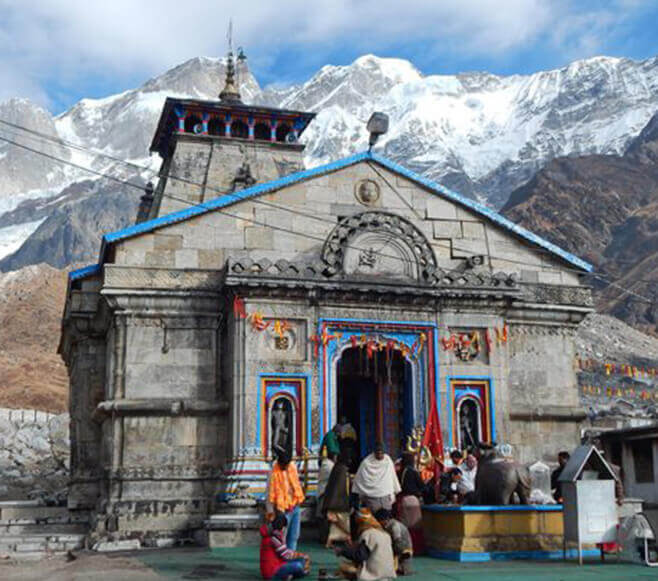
(417,340)
(478,389)
(294,387)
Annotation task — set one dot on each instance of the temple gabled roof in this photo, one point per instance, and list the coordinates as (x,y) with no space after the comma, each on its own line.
(227,200)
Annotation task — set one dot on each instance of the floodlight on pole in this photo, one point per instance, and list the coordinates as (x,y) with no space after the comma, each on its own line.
(377,125)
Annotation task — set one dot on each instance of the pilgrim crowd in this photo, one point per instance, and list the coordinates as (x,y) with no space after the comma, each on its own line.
(369,513)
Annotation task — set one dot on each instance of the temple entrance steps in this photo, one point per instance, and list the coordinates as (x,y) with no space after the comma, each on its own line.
(37,545)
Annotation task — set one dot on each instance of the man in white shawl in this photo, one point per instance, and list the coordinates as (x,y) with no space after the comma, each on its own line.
(376,482)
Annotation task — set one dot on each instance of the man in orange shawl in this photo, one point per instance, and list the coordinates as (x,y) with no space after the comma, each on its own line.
(284,494)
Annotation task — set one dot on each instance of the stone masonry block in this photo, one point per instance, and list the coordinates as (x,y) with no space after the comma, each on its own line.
(473,229)
(307,225)
(326,195)
(200,237)
(549,277)
(530,276)
(130,257)
(167,242)
(391,201)
(418,200)
(469,247)
(233,239)
(291,242)
(441,209)
(447,229)
(143,242)
(211,258)
(187,258)
(160,258)
(467,215)
(291,196)
(495,234)
(273,217)
(258,237)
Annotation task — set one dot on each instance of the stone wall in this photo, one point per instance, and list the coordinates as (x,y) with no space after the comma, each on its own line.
(208,166)
(313,208)
(34,454)
(173,380)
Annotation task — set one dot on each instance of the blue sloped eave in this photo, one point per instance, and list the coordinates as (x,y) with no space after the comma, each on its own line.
(259,189)
(84,272)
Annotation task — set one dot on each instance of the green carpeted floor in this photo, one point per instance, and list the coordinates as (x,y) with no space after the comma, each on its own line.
(242,564)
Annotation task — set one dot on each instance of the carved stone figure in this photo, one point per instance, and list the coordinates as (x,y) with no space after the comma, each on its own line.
(468,424)
(280,428)
(367,192)
(497,479)
(242,497)
(243,178)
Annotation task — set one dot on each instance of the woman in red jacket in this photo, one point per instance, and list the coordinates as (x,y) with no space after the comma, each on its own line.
(277,561)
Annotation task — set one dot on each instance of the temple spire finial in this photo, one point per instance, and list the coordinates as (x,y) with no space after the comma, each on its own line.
(230,93)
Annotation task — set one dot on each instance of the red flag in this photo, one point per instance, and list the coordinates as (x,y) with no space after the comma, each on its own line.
(239,311)
(432,437)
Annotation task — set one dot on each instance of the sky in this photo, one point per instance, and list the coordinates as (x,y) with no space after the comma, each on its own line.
(56,52)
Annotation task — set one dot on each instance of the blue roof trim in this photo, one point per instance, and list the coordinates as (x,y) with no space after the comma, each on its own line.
(487,212)
(84,272)
(229,199)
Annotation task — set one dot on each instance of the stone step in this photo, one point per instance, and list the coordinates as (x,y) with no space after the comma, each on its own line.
(52,543)
(46,528)
(34,512)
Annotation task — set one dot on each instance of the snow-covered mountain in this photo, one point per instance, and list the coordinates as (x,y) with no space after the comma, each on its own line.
(479,133)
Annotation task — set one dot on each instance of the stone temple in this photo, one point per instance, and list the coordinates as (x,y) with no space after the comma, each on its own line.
(255,302)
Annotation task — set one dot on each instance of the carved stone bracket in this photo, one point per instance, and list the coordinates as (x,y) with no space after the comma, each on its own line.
(559,295)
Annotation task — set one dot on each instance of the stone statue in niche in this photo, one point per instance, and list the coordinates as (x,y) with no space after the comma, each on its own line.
(468,424)
(281,426)
(367,192)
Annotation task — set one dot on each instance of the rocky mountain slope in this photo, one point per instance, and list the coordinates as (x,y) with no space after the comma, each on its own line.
(605,209)
(479,133)
(32,375)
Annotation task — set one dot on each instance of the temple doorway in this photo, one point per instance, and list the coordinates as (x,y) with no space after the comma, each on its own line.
(375,396)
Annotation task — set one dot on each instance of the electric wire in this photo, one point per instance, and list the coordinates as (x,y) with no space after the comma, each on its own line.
(184,201)
(188,181)
(315,216)
(141,168)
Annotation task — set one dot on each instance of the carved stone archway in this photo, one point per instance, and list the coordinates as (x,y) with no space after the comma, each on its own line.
(379,244)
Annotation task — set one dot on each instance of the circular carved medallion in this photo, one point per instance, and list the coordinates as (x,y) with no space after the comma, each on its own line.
(367,192)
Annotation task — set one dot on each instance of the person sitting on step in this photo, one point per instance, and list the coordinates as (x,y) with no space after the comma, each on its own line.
(277,561)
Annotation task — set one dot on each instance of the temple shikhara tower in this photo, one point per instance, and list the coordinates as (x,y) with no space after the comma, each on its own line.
(255,302)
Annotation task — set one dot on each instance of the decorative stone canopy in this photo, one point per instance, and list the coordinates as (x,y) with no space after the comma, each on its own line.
(230,119)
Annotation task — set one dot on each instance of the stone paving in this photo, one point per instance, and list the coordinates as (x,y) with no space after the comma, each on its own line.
(242,564)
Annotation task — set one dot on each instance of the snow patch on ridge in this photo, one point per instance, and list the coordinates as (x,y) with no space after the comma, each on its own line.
(12,237)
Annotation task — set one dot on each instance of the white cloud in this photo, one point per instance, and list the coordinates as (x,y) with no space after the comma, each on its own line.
(70,40)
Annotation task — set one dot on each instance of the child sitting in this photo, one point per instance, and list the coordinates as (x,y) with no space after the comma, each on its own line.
(277,561)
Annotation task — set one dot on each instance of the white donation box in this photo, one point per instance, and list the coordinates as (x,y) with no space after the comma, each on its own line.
(590,511)
(589,506)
